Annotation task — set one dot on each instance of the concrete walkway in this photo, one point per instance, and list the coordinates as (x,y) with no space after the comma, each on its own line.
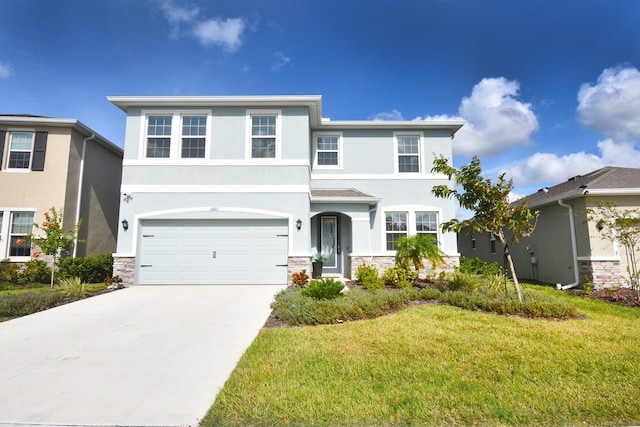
(142,356)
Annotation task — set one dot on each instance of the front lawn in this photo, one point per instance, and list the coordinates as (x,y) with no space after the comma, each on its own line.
(442,365)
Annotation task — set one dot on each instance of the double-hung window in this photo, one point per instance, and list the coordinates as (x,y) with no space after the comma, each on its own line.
(21,225)
(159,136)
(194,131)
(20,148)
(427,224)
(408,153)
(264,136)
(396,227)
(327,148)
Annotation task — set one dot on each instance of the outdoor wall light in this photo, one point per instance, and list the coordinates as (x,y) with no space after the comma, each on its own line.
(299,224)
(125,224)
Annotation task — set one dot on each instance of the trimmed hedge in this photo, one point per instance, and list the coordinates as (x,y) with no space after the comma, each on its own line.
(90,269)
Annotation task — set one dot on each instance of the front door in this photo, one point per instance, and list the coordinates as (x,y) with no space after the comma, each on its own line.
(329,244)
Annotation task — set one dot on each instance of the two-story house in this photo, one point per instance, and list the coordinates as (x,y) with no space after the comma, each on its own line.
(52,162)
(247,189)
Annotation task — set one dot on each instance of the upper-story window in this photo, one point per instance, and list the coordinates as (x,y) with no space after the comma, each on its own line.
(327,151)
(194,131)
(159,136)
(263,136)
(407,153)
(20,148)
(177,135)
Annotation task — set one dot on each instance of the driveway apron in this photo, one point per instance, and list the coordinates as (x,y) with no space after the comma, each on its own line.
(141,356)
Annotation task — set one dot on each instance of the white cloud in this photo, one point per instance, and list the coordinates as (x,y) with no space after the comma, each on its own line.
(224,32)
(611,105)
(551,168)
(6,71)
(282,60)
(213,31)
(496,120)
(393,115)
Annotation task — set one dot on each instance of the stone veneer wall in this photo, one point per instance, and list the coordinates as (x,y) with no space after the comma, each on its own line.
(603,274)
(384,262)
(125,267)
(296,264)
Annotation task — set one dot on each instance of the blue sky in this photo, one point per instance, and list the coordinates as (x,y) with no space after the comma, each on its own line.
(549,89)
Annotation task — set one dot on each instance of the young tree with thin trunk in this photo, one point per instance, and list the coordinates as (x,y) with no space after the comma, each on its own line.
(490,204)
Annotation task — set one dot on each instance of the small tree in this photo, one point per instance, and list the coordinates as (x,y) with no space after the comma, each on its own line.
(490,203)
(622,226)
(55,238)
(416,249)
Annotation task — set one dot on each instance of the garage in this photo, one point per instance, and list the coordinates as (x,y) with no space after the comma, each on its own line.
(212,252)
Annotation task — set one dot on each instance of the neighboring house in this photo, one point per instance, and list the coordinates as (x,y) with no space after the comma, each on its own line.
(565,249)
(245,190)
(61,163)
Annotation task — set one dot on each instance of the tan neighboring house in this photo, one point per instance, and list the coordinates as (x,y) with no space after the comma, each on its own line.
(565,249)
(52,162)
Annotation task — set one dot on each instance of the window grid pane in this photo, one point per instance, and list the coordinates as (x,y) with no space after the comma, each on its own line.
(158,147)
(194,125)
(407,145)
(21,141)
(408,164)
(193,148)
(263,148)
(396,227)
(159,126)
(20,150)
(19,160)
(328,159)
(263,125)
(328,143)
(21,225)
(426,222)
(327,150)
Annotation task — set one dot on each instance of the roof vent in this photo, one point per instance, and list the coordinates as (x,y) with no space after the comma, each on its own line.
(573,178)
(544,190)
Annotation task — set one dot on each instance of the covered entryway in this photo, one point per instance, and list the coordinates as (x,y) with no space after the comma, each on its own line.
(212,252)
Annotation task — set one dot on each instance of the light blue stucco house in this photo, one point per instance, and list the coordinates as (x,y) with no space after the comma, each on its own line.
(247,189)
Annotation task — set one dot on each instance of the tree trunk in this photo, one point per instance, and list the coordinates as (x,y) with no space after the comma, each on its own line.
(507,255)
(53,269)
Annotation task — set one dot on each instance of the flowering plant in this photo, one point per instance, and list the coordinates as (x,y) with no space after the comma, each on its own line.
(53,237)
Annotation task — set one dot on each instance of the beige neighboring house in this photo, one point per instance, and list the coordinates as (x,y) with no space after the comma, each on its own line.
(565,249)
(52,162)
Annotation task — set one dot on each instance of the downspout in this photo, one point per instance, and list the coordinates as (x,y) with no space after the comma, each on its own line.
(80,182)
(574,250)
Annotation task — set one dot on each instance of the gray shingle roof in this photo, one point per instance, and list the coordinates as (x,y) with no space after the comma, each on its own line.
(608,179)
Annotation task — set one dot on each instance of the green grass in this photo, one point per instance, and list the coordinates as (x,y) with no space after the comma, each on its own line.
(441,365)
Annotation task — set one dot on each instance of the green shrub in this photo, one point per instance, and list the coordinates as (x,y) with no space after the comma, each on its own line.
(323,288)
(368,277)
(295,308)
(25,303)
(400,277)
(35,271)
(72,287)
(463,282)
(478,266)
(90,269)
(496,282)
(9,271)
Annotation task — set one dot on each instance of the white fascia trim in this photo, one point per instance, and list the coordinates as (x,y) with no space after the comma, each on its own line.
(382,176)
(215,162)
(123,255)
(598,258)
(129,189)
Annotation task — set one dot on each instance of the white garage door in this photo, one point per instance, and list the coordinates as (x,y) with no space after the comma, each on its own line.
(216,252)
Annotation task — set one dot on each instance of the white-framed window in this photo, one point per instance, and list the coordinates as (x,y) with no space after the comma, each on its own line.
(407,152)
(396,227)
(194,133)
(409,220)
(181,135)
(20,149)
(264,131)
(15,224)
(327,151)
(159,136)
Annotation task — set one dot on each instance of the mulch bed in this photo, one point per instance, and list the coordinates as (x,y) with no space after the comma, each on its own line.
(624,297)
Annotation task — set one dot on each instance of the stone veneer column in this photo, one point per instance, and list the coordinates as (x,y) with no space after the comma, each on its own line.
(603,274)
(125,267)
(297,264)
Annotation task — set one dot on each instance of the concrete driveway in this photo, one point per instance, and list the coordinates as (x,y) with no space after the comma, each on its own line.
(142,356)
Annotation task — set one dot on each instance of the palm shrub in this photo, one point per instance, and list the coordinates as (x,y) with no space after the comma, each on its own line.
(368,277)
(463,282)
(72,287)
(323,288)
(413,250)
